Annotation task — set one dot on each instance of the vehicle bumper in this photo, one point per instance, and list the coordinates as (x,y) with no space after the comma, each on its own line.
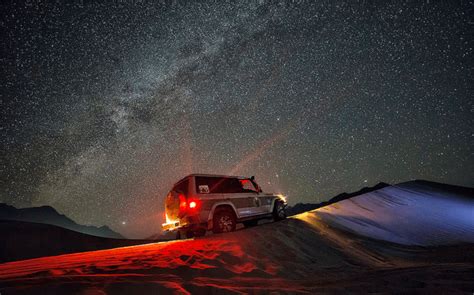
(171,226)
(183,223)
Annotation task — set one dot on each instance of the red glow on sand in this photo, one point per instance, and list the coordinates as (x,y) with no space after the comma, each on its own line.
(141,263)
(176,266)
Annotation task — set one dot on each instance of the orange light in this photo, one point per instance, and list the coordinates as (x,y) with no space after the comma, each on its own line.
(182,203)
(192,204)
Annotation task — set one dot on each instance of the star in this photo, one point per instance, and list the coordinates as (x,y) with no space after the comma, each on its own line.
(104,107)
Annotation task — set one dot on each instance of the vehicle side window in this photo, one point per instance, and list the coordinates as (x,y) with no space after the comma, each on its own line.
(230,186)
(182,187)
(206,185)
(248,186)
(218,185)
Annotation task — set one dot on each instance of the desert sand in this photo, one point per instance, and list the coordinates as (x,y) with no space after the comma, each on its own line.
(315,252)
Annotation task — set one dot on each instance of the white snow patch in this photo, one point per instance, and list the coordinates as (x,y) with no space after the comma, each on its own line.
(408,214)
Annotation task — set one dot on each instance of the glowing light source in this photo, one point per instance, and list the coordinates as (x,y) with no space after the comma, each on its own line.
(281,196)
(192,204)
(182,203)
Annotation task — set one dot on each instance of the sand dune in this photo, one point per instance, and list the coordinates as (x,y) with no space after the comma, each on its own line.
(303,254)
(25,240)
(411,213)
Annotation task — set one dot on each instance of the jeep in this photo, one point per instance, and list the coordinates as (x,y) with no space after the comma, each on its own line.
(201,202)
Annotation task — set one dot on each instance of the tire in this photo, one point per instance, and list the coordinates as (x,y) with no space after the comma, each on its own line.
(200,232)
(189,234)
(250,223)
(184,234)
(223,221)
(279,211)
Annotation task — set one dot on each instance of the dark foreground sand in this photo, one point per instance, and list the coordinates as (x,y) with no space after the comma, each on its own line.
(298,255)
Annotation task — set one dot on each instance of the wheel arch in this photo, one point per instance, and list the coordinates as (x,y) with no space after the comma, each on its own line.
(225,204)
(276,199)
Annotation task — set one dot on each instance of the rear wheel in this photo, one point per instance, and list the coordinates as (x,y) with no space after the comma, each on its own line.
(189,234)
(224,220)
(250,223)
(279,211)
(185,234)
(200,232)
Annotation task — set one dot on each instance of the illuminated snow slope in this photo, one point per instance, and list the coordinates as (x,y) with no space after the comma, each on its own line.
(410,213)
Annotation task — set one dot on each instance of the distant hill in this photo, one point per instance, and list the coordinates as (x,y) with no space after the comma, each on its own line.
(304,207)
(48,215)
(165,236)
(25,240)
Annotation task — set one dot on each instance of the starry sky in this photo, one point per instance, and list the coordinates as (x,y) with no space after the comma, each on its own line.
(105,106)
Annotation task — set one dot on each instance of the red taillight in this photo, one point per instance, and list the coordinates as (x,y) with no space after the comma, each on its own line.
(193,205)
(187,205)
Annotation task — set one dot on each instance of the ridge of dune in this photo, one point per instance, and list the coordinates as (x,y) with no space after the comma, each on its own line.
(410,213)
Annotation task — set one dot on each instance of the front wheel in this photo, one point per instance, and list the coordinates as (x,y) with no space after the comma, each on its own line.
(224,220)
(279,211)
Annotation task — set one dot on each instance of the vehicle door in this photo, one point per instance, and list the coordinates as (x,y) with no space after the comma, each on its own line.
(264,200)
(249,190)
(231,189)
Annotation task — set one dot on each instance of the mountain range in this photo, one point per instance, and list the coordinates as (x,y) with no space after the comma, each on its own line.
(49,215)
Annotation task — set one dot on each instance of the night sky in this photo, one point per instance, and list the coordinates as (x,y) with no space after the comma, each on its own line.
(105,106)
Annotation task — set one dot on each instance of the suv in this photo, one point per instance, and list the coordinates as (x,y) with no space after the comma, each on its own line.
(201,202)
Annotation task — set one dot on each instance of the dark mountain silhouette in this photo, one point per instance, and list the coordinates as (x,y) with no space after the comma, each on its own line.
(304,207)
(25,240)
(48,215)
(164,236)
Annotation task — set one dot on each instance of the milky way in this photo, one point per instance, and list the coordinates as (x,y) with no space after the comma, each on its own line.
(105,106)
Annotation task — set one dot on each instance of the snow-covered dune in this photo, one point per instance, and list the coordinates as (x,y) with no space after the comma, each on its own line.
(411,213)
